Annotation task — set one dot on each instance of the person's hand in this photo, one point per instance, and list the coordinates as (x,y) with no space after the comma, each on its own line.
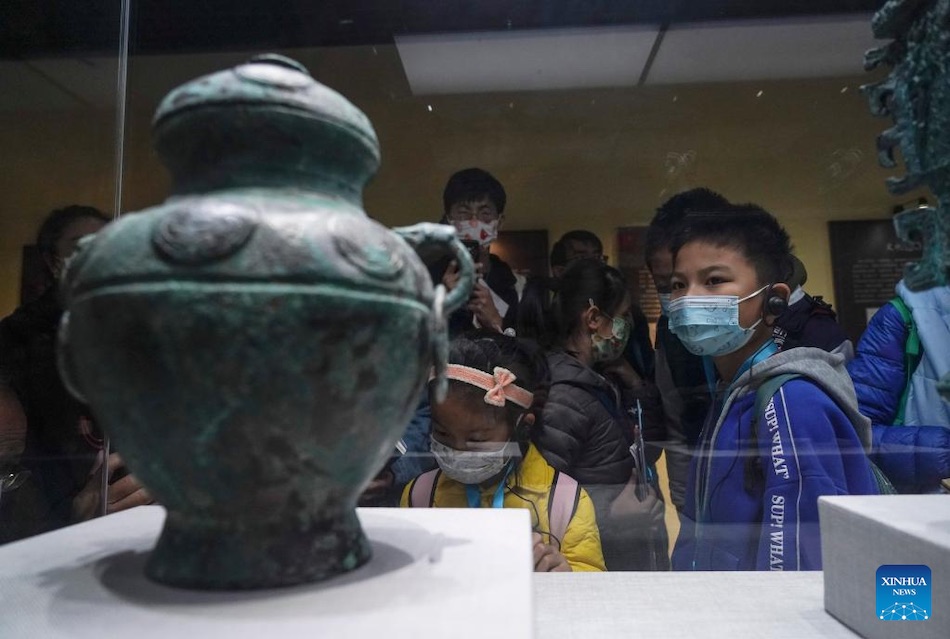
(451,277)
(482,306)
(378,489)
(627,505)
(547,558)
(123,493)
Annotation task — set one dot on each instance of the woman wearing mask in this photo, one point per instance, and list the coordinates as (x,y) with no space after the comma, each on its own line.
(482,440)
(591,419)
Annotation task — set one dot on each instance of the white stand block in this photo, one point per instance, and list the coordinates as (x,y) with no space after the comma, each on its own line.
(683,605)
(860,534)
(435,573)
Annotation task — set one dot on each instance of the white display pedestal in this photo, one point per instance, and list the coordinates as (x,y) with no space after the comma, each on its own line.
(861,534)
(683,605)
(435,573)
(442,573)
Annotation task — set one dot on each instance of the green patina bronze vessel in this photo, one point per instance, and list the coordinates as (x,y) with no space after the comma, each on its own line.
(256,344)
(916,94)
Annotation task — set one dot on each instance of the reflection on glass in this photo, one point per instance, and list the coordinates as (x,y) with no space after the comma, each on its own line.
(59,127)
(757,104)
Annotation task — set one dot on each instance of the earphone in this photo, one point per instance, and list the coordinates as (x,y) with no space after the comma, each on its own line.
(774,304)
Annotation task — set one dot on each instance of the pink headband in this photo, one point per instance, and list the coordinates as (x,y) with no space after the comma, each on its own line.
(500,387)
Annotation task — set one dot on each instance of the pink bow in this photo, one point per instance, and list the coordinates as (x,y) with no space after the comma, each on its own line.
(499,387)
(496,394)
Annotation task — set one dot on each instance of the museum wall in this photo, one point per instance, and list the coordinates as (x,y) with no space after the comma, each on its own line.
(597,159)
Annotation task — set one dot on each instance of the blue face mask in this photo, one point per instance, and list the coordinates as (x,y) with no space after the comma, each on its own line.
(709,324)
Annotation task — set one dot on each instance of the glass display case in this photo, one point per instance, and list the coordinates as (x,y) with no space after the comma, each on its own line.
(591,115)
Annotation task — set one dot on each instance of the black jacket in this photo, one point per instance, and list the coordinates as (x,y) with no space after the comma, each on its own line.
(579,435)
(809,322)
(584,433)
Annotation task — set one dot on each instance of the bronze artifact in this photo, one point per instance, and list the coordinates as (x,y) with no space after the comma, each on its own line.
(255,345)
(916,94)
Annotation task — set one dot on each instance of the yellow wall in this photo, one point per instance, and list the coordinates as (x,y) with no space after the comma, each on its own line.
(595,159)
(568,159)
(49,160)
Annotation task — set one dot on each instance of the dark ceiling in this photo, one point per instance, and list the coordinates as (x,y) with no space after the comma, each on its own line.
(34,28)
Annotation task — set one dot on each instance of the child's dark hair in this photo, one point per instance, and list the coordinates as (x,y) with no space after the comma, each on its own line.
(670,215)
(56,222)
(559,250)
(485,350)
(748,229)
(469,185)
(585,280)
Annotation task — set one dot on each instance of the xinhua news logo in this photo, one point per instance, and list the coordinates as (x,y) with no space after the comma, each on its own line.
(903,593)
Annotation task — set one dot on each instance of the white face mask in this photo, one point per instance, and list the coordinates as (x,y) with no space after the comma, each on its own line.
(482,232)
(471,467)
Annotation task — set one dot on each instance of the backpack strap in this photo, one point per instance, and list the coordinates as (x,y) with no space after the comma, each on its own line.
(562,503)
(422,491)
(754,473)
(764,394)
(912,355)
(762,397)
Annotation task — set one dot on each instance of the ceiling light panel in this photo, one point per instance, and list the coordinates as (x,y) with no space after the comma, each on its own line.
(525,60)
(763,50)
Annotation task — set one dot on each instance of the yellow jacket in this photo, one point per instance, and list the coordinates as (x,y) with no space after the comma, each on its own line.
(532,480)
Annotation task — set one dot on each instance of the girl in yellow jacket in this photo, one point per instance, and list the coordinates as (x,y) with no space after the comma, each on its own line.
(481,439)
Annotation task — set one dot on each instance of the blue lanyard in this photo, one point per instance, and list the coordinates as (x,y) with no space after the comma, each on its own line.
(474,495)
(765,351)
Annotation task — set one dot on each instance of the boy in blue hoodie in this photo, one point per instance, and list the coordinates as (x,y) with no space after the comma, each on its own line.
(755,479)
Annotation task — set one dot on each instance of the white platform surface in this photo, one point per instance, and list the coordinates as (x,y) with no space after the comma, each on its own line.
(435,573)
(678,605)
(861,533)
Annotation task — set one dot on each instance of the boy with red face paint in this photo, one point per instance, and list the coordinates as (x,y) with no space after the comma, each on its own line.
(474,203)
(754,482)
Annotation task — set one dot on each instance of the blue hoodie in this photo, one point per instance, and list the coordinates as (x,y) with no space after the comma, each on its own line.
(812,441)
